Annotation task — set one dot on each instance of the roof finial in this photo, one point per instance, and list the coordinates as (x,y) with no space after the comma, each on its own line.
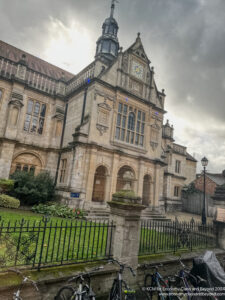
(112,8)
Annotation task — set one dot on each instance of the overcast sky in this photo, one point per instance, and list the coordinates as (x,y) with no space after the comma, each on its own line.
(184,39)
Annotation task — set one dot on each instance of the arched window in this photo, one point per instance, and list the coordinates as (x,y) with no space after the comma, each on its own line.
(105,47)
(26,162)
(18,167)
(131,121)
(32,169)
(25,168)
(14,116)
(99,48)
(106,29)
(113,48)
(111,29)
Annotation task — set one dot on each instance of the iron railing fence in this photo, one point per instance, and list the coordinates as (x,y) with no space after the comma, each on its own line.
(162,237)
(46,243)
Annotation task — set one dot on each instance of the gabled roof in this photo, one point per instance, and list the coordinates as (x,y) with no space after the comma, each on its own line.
(14,54)
(138,46)
(190,157)
(219,179)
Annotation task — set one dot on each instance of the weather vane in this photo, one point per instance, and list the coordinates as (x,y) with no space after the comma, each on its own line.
(112,7)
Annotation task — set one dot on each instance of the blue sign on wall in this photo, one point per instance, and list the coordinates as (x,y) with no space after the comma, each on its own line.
(74,195)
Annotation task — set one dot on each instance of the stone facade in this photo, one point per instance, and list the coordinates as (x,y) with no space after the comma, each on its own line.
(97,132)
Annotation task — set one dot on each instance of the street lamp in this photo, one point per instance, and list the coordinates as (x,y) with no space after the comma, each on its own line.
(204,162)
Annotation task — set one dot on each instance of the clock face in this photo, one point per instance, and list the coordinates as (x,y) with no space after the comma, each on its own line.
(137,70)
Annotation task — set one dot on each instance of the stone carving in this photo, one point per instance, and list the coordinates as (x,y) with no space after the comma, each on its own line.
(103,117)
(125,62)
(21,72)
(154,137)
(101,128)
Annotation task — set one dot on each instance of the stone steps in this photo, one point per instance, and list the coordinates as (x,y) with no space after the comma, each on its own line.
(155,216)
(98,214)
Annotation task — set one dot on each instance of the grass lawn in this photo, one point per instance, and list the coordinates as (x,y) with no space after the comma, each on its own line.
(54,242)
(12,215)
(163,239)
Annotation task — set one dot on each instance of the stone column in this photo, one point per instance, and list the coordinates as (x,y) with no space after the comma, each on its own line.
(114,170)
(125,243)
(140,178)
(91,175)
(157,187)
(6,156)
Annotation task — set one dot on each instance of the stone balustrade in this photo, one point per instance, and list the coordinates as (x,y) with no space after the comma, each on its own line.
(81,78)
(41,82)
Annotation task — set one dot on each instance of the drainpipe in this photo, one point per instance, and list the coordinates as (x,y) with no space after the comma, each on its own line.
(84,105)
(61,144)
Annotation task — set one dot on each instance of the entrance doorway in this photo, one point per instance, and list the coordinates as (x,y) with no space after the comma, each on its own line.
(146,190)
(99,184)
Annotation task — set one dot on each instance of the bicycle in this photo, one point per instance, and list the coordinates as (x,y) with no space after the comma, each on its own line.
(117,292)
(17,294)
(191,283)
(84,290)
(156,285)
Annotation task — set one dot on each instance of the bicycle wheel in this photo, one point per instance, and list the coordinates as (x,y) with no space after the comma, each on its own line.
(114,292)
(128,293)
(66,293)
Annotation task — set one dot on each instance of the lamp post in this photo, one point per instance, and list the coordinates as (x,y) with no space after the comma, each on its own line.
(204,162)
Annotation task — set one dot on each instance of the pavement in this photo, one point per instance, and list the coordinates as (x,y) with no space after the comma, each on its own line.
(186,217)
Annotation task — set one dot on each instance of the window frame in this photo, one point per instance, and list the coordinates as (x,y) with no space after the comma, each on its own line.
(31,115)
(176,191)
(20,167)
(63,170)
(178,166)
(124,132)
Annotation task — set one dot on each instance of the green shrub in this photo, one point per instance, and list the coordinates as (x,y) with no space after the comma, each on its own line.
(58,210)
(31,189)
(125,194)
(6,185)
(10,202)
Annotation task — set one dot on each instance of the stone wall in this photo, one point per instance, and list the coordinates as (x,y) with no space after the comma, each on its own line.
(50,280)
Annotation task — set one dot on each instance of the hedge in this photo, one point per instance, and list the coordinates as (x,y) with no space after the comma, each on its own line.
(6,185)
(8,201)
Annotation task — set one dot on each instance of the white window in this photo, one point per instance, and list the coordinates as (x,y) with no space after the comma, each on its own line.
(35,117)
(130,125)
(176,191)
(177,166)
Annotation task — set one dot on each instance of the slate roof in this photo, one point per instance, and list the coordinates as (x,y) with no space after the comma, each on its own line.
(33,62)
(190,157)
(219,179)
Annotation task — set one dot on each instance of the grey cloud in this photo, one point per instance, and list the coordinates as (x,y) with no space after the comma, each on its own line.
(185,40)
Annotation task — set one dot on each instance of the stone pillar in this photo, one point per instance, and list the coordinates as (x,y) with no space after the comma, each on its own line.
(220,233)
(157,187)
(114,170)
(125,243)
(6,156)
(140,178)
(91,175)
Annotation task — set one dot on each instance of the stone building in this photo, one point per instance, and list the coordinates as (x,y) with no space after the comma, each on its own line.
(98,131)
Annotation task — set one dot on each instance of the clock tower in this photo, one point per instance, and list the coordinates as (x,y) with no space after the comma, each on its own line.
(107,44)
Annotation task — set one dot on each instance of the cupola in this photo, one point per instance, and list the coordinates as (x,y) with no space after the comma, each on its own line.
(108,45)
